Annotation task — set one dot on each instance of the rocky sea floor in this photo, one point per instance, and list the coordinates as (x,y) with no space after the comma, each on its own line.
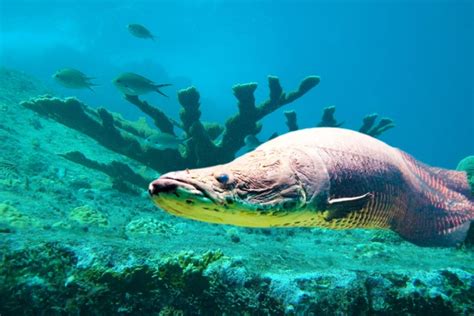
(71,243)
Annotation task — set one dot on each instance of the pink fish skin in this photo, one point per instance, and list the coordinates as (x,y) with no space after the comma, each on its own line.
(325,177)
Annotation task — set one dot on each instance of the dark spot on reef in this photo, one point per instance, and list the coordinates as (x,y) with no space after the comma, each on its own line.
(217,210)
(188,201)
(206,208)
(176,193)
(229,200)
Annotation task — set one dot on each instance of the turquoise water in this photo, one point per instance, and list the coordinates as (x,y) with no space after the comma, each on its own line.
(82,236)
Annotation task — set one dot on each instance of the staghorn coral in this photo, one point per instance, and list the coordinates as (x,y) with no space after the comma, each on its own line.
(328,119)
(370,128)
(119,172)
(206,143)
(202,149)
(108,129)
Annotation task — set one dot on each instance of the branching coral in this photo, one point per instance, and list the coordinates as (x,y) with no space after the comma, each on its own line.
(206,143)
(202,148)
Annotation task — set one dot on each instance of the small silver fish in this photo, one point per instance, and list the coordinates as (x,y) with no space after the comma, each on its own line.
(73,79)
(140,31)
(165,141)
(132,84)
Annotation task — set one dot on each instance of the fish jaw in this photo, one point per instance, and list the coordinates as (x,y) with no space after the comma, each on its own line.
(183,199)
(193,195)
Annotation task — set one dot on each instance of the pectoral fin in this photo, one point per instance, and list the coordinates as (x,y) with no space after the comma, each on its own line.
(341,207)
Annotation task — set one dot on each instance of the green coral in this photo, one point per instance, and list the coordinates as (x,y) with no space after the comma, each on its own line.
(88,215)
(150,226)
(467,165)
(52,279)
(11,216)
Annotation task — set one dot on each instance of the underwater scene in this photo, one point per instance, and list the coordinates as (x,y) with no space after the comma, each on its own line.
(236,157)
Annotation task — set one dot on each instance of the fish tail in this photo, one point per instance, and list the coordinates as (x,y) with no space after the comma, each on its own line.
(158,86)
(441,211)
(163,85)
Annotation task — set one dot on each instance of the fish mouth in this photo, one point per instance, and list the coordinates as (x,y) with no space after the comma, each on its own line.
(167,185)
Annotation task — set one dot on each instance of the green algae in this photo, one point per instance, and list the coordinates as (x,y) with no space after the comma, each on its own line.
(87,215)
(55,279)
(11,216)
(467,165)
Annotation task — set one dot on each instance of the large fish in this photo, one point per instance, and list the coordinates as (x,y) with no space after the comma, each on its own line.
(325,177)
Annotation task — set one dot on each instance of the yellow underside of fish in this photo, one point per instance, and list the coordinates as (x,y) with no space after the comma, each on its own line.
(238,216)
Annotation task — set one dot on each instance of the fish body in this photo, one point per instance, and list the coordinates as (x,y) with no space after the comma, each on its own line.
(325,177)
(73,79)
(165,141)
(140,31)
(133,84)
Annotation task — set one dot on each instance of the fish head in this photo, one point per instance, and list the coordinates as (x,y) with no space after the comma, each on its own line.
(124,85)
(59,75)
(258,189)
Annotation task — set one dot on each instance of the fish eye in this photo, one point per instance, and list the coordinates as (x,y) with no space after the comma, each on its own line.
(223,178)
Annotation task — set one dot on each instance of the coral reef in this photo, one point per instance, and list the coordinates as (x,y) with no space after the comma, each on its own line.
(10,216)
(87,215)
(140,263)
(150,226)
(467,165)
(202,148)
(120,173)
(368,123)
(53,279)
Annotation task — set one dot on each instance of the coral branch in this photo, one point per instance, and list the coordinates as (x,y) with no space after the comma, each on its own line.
(278,98)
(190,113)
(200,149)
(127,138)
(291,120)
(368,125)
(328,119)
(119,172)
(368,122)
(246,122)
(104,127)
(160,119)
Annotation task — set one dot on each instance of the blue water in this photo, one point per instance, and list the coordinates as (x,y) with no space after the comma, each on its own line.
(412,61)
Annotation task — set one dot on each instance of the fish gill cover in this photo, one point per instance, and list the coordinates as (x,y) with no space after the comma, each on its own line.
(78,233)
